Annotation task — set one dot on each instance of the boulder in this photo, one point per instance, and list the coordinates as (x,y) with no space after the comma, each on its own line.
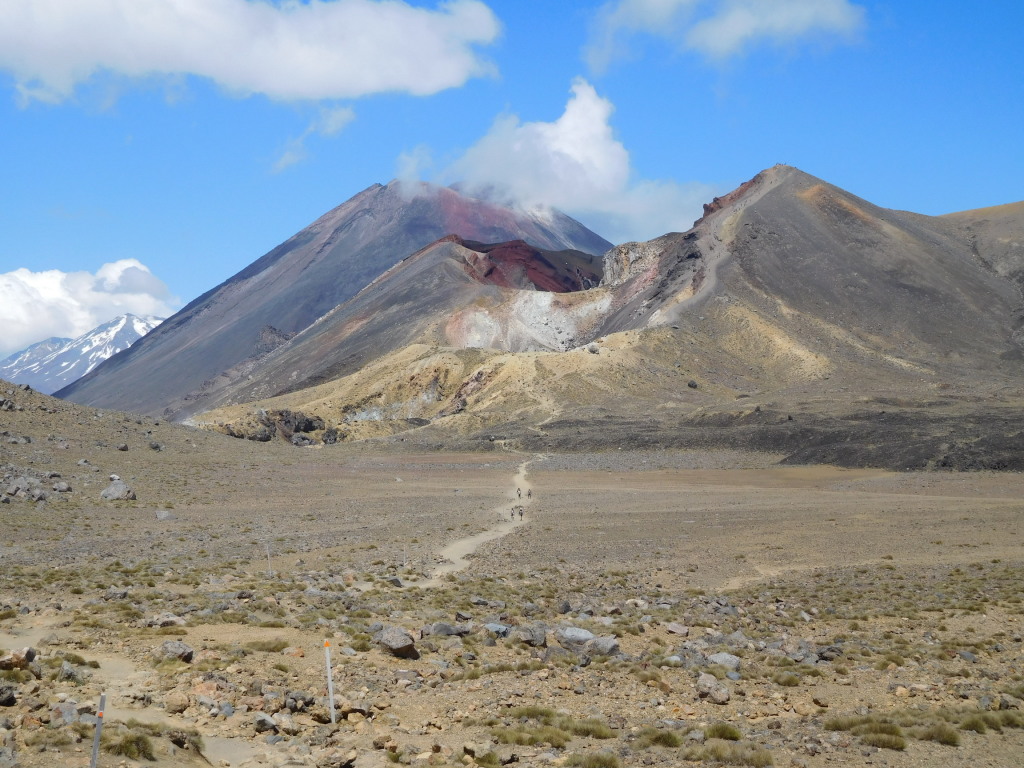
(19,659)
(727,660)
(337,758)
(118,490)
(443,628)
(264,723)
(174,649)
(501,630)
(68,673)
(176,703)
(605,645)
(573,638)
(64,713)
(396,641)
(709,687)
(535,636)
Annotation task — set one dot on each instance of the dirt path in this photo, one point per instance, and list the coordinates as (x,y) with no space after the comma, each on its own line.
(119,677)
(456,555)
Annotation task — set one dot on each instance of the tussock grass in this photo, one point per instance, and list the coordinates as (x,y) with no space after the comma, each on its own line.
(133,745)
(592,727)
(593,760)
(267,646)
(531,737)
(44,738)
(724,731)
(884,741)
(941,733)
(786,679)
(655,737)
(939,725)
(730,753)
(551,723)
(976,723)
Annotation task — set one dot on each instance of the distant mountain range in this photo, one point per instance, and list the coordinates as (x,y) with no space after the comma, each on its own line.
(793,318)
(56,362)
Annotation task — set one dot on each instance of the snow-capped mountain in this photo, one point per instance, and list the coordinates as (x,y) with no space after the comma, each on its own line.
(54,363)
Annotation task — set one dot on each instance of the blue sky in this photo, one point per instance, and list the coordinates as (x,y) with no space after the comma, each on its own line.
(150,150)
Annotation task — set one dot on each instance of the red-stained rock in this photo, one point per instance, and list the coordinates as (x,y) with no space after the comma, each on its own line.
(517,264)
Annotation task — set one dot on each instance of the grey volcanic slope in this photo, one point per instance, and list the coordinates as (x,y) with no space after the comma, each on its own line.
(410,303)
(303,278)
(809,322)
(833,273)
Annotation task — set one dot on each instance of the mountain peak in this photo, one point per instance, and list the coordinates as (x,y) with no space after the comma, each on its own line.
(55,363)
(301,280)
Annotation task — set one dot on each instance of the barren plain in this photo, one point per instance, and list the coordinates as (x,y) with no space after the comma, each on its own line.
(659,607)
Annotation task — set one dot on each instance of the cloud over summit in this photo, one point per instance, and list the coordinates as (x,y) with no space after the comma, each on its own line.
(323,49)
(576,164)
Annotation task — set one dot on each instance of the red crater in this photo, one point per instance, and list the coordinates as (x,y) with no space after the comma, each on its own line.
(517,264)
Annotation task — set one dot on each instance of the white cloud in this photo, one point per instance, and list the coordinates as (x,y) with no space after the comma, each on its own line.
(330,122)
(577,165)
(717,29)
(321,49)
(37,305)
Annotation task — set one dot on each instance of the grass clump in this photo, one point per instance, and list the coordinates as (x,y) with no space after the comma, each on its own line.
(786,679)
(976,723)
(941,733)
(552,728)
(593,760)
(655,737)
(267,646)
(532,737)
(724,731)
(730,753)
(884,741)
(47,737)
(133,745)
(592,727)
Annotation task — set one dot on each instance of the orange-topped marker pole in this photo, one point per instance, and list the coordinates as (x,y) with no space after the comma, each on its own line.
(330,680)
(99,730)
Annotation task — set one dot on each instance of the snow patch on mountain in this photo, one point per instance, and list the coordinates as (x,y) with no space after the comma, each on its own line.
(54,363)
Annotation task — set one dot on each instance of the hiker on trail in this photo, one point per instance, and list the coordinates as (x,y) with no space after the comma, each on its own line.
(520,513)
(529,493)
(519,492)
(512,514)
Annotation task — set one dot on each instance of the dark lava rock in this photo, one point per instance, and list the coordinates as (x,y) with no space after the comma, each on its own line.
(397,642)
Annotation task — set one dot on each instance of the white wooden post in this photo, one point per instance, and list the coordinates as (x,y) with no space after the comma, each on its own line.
(99,730)
(330,680)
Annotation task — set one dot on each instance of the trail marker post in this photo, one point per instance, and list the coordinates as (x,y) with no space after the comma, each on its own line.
(330,680)
(99,730)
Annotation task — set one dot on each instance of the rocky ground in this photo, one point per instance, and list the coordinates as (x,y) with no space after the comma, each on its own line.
(650,607)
